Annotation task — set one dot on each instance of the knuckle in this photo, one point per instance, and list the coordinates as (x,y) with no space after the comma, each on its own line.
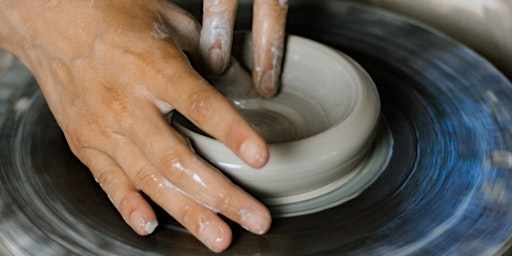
(223,202)
(146,179)
(107,180)
(79,136)
(200,106)
(185,214)
(173,167)
(120,110)
(127,203)
(193,217)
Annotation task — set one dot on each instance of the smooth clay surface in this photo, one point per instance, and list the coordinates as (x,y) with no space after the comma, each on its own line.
(319,127)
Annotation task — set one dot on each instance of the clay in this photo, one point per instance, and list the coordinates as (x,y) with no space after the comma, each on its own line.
(319,127)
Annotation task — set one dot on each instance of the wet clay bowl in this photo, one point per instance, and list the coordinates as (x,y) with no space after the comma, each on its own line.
(319,127)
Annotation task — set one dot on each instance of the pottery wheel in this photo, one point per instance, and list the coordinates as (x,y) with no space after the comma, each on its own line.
(446,190)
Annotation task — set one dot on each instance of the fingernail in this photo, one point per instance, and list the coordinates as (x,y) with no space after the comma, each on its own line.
(253,153)
(268,85)
(215,60)
(142,225)
(256,223)
(211,235)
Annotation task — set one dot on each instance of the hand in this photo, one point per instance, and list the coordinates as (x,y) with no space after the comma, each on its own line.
(268,39)
(109,70)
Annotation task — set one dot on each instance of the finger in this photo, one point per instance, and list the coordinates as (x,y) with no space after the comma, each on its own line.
(127,199)
(217,33)
(210,111)
(268,40)
(191,213)
(169,153)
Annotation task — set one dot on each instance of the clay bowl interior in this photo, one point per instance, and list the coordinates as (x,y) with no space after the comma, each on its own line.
(319,127)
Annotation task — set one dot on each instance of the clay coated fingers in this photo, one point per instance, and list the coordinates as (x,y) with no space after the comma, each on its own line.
(268,40)
(170,155)
(217,33)
(127,199)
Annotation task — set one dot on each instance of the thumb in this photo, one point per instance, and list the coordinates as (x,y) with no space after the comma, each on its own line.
(178,26)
